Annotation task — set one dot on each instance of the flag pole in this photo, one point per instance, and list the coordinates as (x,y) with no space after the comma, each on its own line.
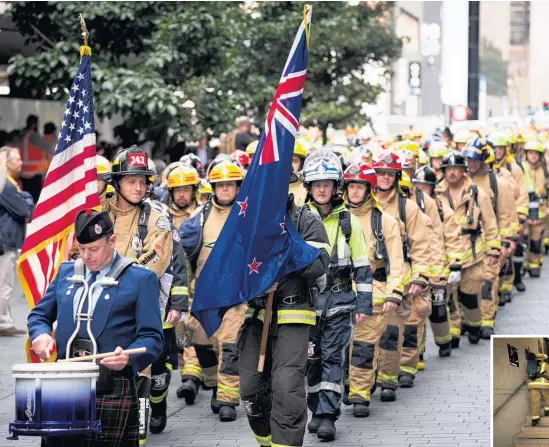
(265,334)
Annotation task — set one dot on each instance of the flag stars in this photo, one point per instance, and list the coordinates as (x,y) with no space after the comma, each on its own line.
(71,100)
(63,124)
(254,267)
(67,111)
(80,76)
(83,93)
(243,207)
(87,125)
(72,126)
(68,139)
(80,131)
(75,88)
(86,108)
(80,103)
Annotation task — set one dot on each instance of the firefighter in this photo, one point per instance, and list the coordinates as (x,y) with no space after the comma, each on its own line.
(408,320)
(479,234)
(505,160)
(275,400)
(217,355)
(387,263)
(205,191)
(538,385)
(103,166)
(537,206)
(437,151)
(338,303)
(479,156)
(296,181)
(447,229)
(182,184)
(144,232)
(251,149)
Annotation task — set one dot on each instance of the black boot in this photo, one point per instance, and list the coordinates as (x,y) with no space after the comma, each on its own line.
(474,336)
(506,296)
(361,410)
(314,423)
(188,390)
(535,422)
(518,277)
(388,395)
(405,380)
(346,396)
(455,342)
(445,350)
(534,272)
(502,301)
(227,413)
(159,418)
(485,333)
(214,404)
(327,430)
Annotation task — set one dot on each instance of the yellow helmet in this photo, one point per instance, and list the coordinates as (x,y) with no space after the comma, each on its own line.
(409,145)
(205,187)
(527,135)
(225,172)
(499,139)
(437,149)
(512,138)
(405,183)
(491,158)
(109,189)
(534,145)
(252,147)
(422,158)
(183,176)
(102,165)
(300,150)
(463,136)
(543,136)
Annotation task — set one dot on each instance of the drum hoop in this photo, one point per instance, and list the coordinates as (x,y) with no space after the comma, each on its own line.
(54,375)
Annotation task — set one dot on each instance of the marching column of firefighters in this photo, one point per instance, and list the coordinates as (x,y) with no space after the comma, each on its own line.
(409,232)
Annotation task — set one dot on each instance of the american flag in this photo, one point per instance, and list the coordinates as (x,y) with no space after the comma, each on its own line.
(70,185)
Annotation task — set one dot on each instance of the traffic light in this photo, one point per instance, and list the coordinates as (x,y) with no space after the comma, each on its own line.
(546,106)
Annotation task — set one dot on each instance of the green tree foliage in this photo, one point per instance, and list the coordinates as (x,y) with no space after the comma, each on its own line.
(180,68)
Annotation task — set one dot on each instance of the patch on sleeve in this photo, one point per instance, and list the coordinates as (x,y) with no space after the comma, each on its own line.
(163,223)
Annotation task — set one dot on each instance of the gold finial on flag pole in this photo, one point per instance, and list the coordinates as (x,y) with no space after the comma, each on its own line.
(306,8)
(84,49)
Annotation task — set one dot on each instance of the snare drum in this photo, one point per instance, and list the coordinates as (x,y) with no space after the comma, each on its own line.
(55,399)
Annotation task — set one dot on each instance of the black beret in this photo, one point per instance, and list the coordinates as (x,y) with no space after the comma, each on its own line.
(91,225)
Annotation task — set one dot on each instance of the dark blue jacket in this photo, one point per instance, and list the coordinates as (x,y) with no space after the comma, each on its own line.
(15,207)
(126,315)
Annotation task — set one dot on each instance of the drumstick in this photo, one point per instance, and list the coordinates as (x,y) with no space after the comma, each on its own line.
(102,356)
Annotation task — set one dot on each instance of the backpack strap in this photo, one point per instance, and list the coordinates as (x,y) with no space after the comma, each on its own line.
(402,208)
(420,199)
(142,223)
(345,224)
(494,188)
(296,217)
(380,248)
(120,267)
(206,211)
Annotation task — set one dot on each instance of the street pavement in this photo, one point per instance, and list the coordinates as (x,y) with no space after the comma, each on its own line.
(449,405)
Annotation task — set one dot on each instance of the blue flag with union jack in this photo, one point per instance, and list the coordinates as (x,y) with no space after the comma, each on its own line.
(258,243)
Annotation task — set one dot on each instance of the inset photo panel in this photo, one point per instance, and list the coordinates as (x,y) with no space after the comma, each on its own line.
(520,391)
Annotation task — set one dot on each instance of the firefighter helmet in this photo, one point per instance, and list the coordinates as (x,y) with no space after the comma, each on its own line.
(534,145)
(225,172)
(322,165)
(102,165)
(453,158)
(426,175)
(407,159)
(409,145)
(360,173)
(131,161)
(251,148)
(405,184)
(300,150)
(387,160)
(499,139)
(437,149)
(183,176)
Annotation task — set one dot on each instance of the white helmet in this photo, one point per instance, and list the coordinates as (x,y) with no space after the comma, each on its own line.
(322,165)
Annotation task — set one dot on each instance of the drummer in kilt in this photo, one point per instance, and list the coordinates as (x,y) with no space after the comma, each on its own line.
(125,316)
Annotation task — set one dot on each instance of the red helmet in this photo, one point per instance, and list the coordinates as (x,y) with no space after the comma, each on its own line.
(360,173)
(241,157)
(387,160)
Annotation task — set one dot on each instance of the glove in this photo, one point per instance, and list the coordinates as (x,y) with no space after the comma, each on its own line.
(454,278)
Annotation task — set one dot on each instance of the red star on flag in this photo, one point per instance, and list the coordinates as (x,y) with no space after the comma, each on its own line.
(254,267)
(283,225)
(243,207)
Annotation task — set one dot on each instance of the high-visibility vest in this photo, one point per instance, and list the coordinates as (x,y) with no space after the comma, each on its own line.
(35,161)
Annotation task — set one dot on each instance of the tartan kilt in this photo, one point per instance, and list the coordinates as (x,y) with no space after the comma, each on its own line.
(119,415)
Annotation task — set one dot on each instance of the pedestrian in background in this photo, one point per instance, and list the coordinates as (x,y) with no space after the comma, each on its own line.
(15,209)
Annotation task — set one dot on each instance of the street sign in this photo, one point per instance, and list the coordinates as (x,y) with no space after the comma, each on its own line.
(460,113)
